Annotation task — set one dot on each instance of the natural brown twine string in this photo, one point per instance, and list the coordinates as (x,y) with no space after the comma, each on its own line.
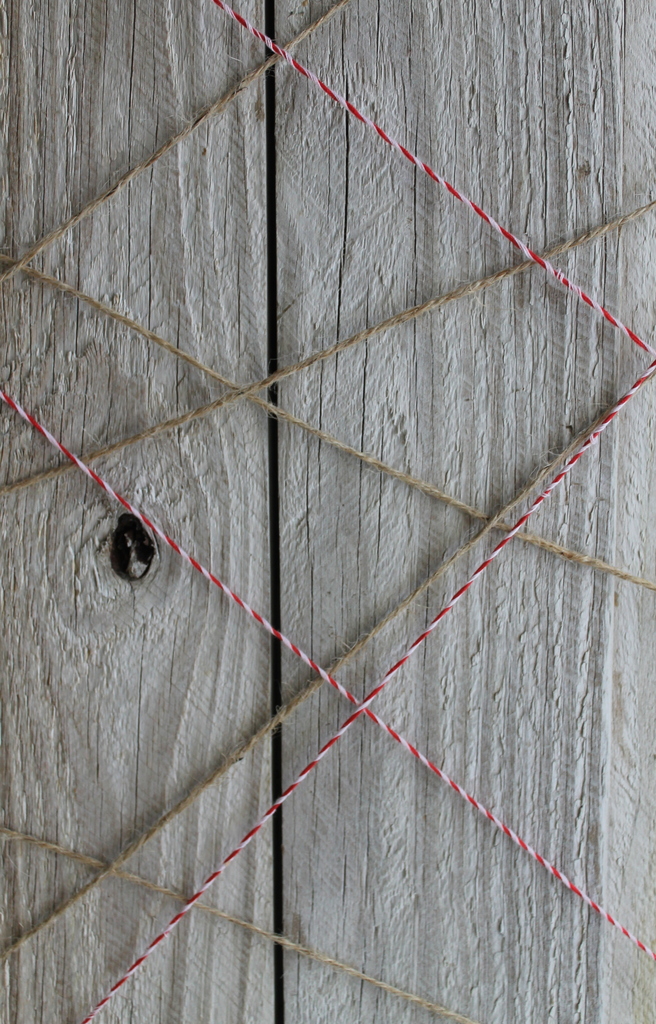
(287,709)
(249,391)
(238,391)
(201,117)
(569,554)
(280,940)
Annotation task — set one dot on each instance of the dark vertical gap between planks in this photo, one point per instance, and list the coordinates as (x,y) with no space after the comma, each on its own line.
(274,515)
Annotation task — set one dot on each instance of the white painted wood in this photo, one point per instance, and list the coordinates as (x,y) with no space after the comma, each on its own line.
(526,108)
(536,693)
(117,698)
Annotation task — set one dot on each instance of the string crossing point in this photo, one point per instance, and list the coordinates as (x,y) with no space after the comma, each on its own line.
(364,705)
(351,109)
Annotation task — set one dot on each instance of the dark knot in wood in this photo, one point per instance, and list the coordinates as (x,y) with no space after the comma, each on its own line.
(132,548)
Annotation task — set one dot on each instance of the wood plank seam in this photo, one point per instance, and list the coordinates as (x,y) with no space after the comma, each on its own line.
(249,391)
(277,937)
(363,706)
(528,253)
(273,482)
(215,108)
(242,749)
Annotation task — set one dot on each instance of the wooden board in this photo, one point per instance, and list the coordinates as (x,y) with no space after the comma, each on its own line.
(536,693)
(526,110)
(117,697)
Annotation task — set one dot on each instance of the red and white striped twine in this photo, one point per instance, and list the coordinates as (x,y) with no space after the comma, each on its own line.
(427,169)
(363,707)
(260,619)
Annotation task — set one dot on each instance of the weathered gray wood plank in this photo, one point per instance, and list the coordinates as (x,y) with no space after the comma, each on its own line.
(535,694)
(630,712)
(116,698)
(525,108)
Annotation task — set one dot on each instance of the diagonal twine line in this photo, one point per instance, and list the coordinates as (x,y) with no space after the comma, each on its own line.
(363,707)
(521,246)
(246,391)
(277,939)
(249,391)
(239,391)
(201,117)
(243,392)
(569,554)
(286,710)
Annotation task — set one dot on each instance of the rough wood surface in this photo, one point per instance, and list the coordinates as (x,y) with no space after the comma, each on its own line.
(118,697)
(536,694)
(526,109)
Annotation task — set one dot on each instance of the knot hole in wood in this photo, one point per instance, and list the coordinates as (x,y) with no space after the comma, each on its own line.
(132,548)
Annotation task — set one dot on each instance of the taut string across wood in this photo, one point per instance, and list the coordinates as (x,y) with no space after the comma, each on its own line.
(201,118)
(242,749)
(294,947)
(363,707)
(583,442)
(250,391)
(528,254)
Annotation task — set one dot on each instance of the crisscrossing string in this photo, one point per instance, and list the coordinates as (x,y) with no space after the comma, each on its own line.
(363,708)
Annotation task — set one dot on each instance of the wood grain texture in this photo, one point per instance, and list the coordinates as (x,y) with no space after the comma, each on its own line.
(117,697)
(630,713)
(525,108)
(536,694)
